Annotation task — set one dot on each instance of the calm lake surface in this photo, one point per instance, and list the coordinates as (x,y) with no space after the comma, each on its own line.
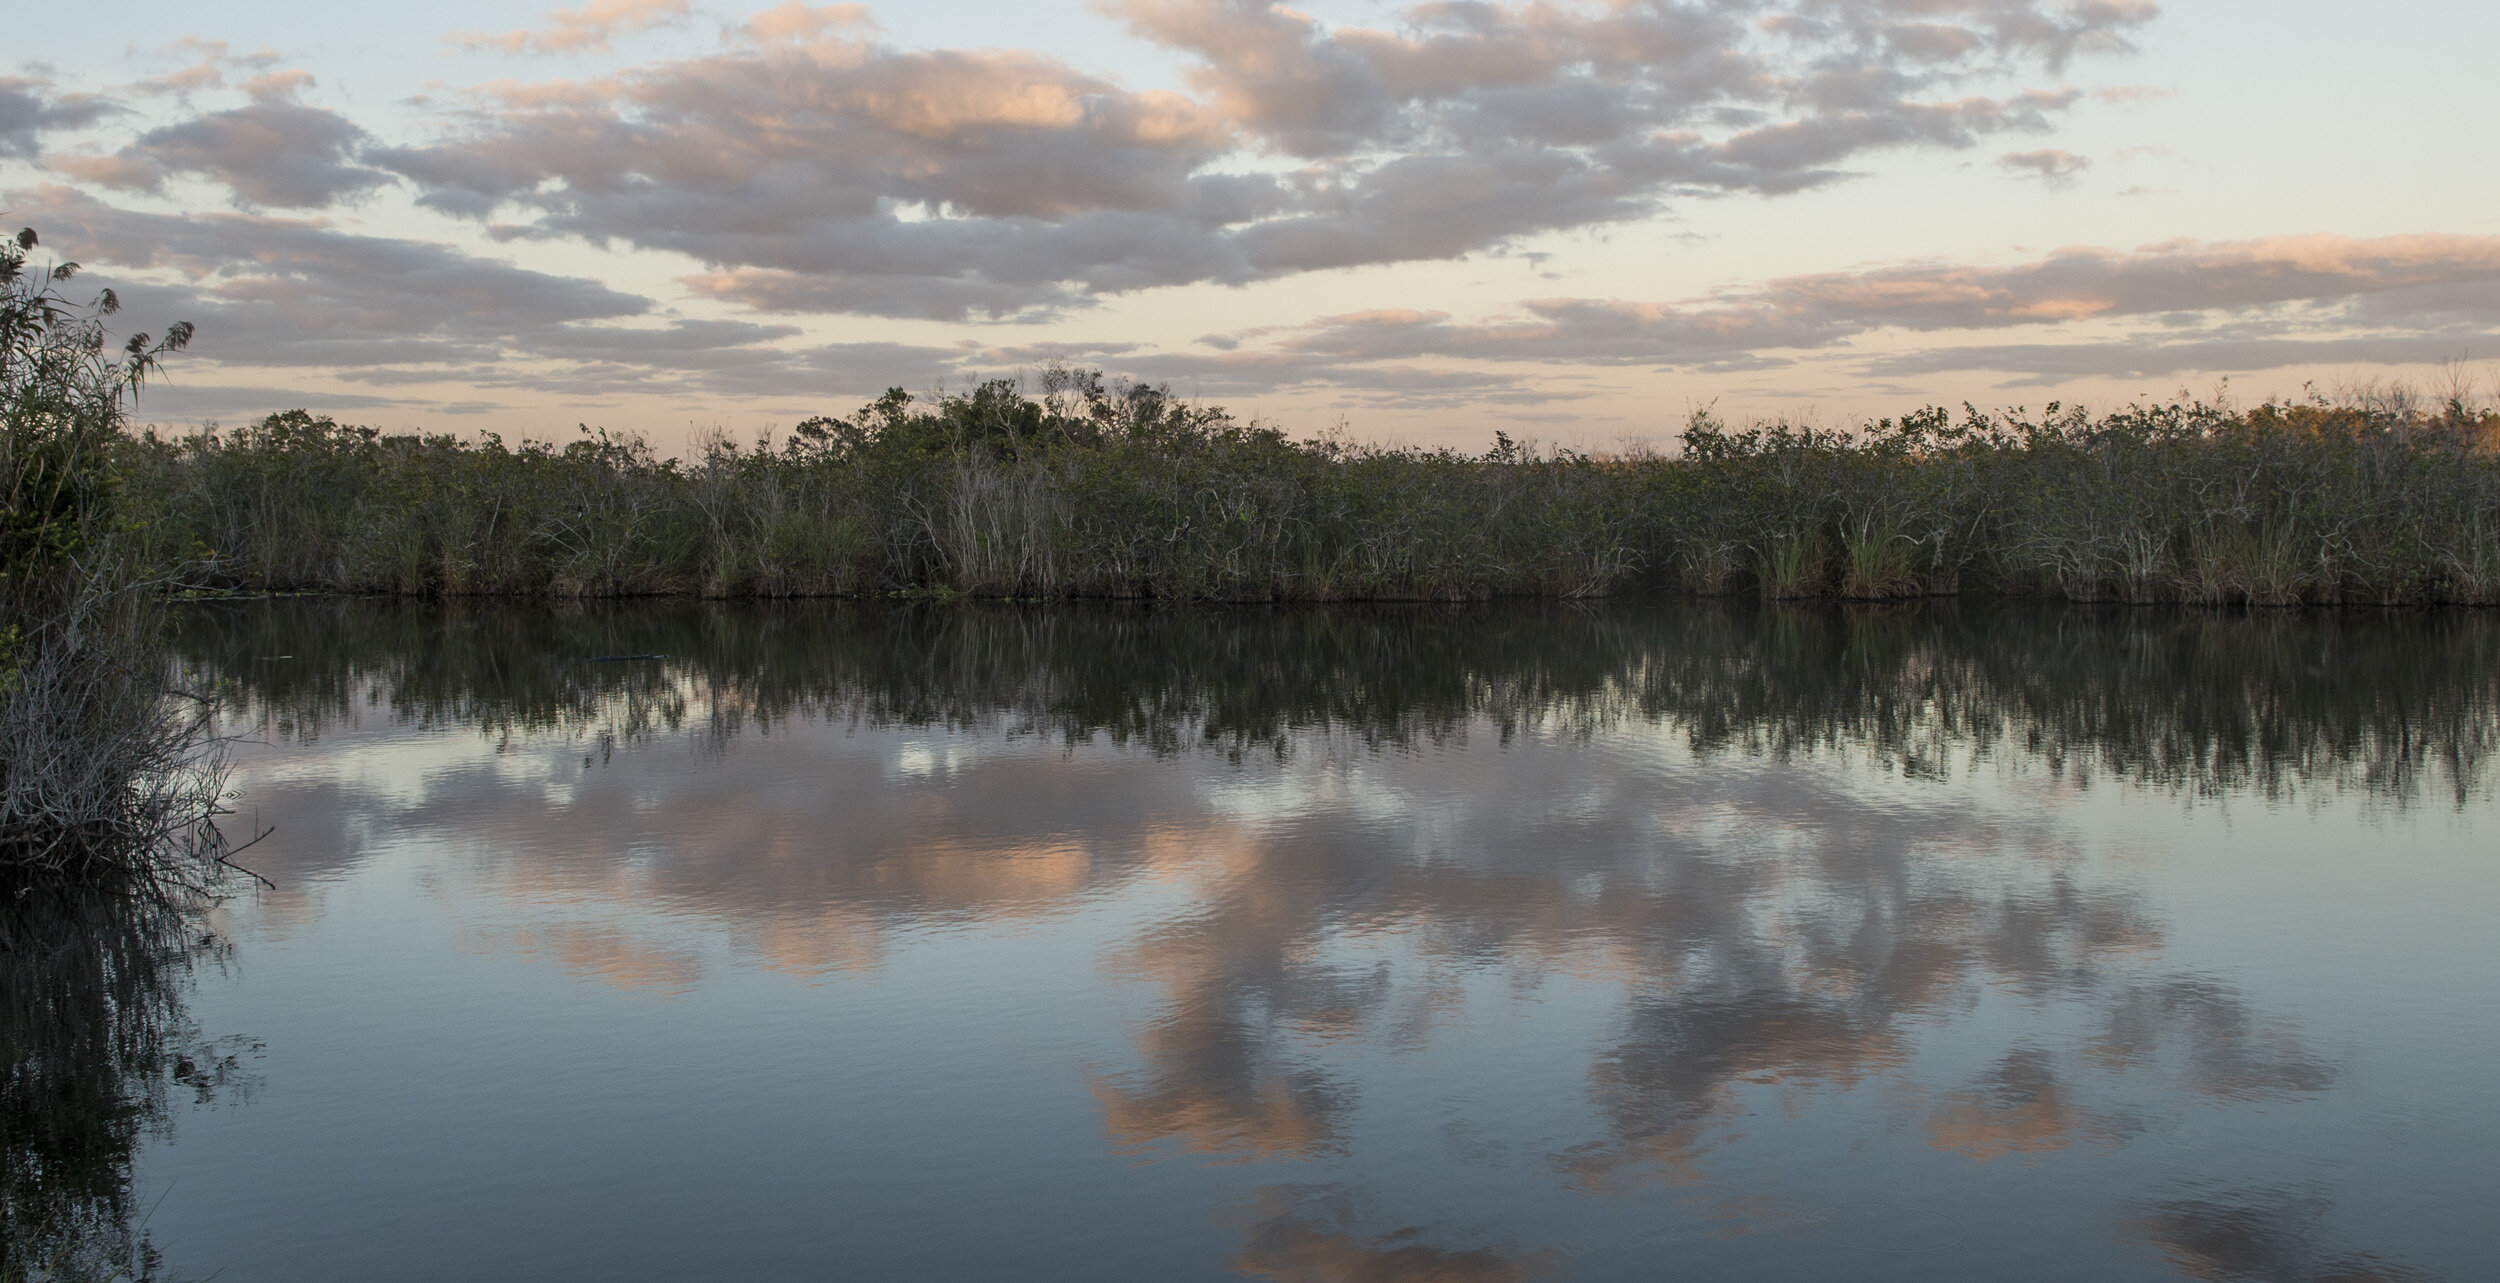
(1640,941)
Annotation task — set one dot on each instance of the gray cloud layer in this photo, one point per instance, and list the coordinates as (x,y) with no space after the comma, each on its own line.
(279,292)
(816,170)
(811,169)
(587,28)
(2231,305)
(31,108)
(275,151)
(272,293)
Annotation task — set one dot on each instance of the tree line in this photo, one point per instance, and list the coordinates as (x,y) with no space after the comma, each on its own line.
(1078,487)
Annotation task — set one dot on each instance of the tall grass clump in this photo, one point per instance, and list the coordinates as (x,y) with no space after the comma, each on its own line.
(104,775)
(1078,487)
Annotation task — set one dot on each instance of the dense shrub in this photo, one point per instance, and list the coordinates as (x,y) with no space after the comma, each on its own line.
(1086,489)
(102,775)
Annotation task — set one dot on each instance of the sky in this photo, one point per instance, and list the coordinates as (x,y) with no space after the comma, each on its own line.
(1421,223)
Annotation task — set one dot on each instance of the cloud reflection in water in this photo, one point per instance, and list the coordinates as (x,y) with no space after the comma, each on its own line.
(1783,857)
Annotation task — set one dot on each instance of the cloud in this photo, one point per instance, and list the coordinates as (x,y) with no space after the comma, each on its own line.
(175,395)
(796,22)
(2200,306)
(2416,292)
(276,292)
(2172,276)
(936,298)
(271,293)
(2151,356)
(826,174)
(276,151)
(809,168)
(1260,372)
(2048,164)
(206,71)
(806,167)
(587,29)
(1563,75)
(2131,95)
(281,292)
(29,109)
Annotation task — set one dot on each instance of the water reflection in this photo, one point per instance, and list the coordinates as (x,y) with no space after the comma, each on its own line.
(1298,1234)
(95,1053)
(1780,855)
(2264,1235)
(2399,705)
(2017,1107)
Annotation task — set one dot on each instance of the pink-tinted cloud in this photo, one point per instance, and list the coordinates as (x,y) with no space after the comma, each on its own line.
(587,29)
(810,168)
(2307,287)
(291,296)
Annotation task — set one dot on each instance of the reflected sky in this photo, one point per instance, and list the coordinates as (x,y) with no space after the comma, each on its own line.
(1501,943)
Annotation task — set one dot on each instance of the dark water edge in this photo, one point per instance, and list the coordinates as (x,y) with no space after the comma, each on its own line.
(1623,940)
(2390,702)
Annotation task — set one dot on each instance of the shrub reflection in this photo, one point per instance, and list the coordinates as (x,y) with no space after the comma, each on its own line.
(96,1052)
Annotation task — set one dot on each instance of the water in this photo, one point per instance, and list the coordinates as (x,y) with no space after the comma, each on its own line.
(1638,942)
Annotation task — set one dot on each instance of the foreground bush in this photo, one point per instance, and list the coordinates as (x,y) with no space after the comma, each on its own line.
(103,775)
(1089,490)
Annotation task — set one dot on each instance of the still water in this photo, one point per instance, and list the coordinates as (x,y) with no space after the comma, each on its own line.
(1646,941)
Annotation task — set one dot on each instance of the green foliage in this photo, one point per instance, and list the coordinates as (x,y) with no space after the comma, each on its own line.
(101,777)
(62,391)
(1084,488)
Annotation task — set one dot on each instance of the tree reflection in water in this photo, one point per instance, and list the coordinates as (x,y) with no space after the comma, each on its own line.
(2400,705)
(1768,932)
(96,1052)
